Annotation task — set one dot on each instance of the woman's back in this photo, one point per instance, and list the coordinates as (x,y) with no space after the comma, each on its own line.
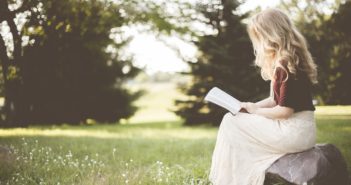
(293,92)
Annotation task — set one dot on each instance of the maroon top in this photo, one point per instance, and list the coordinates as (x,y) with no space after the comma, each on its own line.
(294,92)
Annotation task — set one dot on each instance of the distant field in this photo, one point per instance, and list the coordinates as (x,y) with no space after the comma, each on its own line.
(157,103)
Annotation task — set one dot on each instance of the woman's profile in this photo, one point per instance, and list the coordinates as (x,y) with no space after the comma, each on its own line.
(248,143)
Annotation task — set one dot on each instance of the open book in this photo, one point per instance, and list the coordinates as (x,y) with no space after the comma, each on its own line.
(221,98)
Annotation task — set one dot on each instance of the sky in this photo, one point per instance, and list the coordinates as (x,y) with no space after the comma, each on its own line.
(154,56)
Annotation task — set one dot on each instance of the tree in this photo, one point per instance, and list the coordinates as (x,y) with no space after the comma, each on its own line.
(225,60)
(69,66)
(82,79)
(71,69)
(339,33)
(11,64)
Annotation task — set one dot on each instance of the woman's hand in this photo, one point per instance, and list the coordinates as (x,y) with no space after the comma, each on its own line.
(249,107)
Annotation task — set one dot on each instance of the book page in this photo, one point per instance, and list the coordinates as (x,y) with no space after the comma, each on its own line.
(221,98)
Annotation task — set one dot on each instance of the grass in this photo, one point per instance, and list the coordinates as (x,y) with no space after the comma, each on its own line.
(147,153)
(147,150)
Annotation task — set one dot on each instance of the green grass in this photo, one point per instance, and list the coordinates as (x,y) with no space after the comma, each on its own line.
(147,153)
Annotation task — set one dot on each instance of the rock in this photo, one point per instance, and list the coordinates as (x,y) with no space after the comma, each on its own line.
(321,165)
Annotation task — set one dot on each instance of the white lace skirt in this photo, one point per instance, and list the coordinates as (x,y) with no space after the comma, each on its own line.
(247,144)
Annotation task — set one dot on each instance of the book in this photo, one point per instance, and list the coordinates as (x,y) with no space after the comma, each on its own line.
(223,99)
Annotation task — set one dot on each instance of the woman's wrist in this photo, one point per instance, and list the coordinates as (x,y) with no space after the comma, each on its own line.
(249,107)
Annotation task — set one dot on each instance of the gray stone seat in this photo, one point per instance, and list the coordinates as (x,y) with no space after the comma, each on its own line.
(321,165)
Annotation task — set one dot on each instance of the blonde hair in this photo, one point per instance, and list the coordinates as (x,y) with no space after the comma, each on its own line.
(276,39)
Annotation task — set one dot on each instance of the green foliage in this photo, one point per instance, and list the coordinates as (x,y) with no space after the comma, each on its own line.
(338,33)
(225,60)
(69,71)
(71,68)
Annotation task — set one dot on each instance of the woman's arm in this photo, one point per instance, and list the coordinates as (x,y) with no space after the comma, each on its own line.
(266,103)
(276,112)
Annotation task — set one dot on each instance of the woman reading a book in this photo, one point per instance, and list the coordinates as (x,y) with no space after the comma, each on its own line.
(249,143)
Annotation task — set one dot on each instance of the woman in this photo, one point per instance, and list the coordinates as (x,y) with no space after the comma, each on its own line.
(248,143)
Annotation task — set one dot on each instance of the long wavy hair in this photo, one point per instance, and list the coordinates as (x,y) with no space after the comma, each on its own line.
(275,39)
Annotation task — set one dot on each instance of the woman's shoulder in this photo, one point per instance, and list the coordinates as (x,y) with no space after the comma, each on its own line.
(281,73)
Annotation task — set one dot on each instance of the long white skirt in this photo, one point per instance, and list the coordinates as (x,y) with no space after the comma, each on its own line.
(248,144)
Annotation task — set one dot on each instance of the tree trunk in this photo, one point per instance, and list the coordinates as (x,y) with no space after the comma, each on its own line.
(14,109)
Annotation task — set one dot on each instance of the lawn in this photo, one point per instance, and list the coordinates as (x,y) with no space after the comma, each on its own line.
(144,153)
(148,153)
